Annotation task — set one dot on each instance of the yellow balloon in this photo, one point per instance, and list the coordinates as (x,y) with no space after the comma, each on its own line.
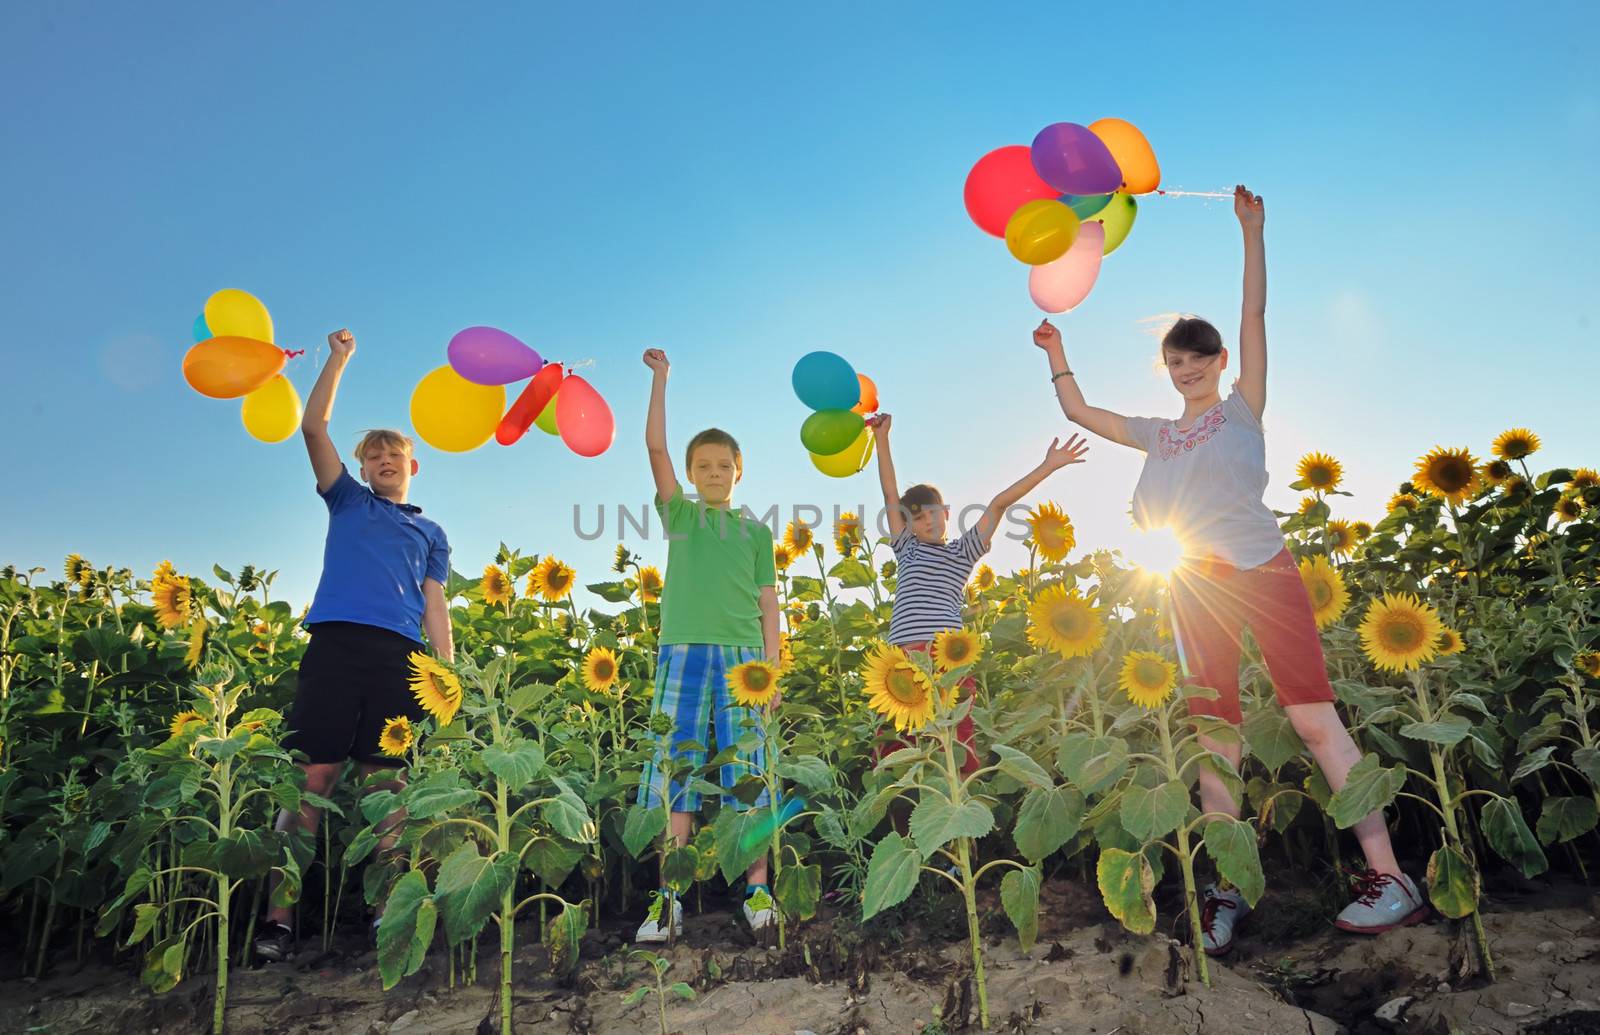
(1117,217)
(453,414)
(848,461)
(272,412)
(239,314)
(1041,231)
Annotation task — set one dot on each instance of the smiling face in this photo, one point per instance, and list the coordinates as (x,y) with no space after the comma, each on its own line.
(713,471)
(387,464)
(1195,376)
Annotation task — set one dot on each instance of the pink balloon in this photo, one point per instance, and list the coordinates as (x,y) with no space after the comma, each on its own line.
(1062,285)
(585,420)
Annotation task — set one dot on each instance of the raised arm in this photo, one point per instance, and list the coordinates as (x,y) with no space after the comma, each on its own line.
(1252,213)
(886,477)
(319,408)
(1106,423)
(1056,457)
(655,426)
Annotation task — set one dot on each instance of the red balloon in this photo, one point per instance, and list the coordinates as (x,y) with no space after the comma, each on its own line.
(529,404)
(1000,183)
(585,420)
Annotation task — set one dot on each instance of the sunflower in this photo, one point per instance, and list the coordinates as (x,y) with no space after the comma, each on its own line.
(782,556)
(1400,632)
(983,578)
(1052,531)
(1496,471)
(797,615)
(847,533)
(1307,503)
(600,670)
(1362,529)
(620,565)
(1585,478)
(1588,663)
(954,648)
(1341,538)
(785,651)
(1403,501)
(497,586)
(396,736)
(1326,588)
(1515,443)
(1450,473)
(897,689)
(754,683)
(438,690)
(181,721)
(1516,489)
(197,643)
(1320,471)
(164,570)
(1568,508)
(79,573)
(1147,678)
(172,600)
(650,584)
(1449,642)
(551,579)
(798,538)
(1061,620)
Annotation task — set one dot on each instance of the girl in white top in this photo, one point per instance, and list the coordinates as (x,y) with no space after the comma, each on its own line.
(1203,477)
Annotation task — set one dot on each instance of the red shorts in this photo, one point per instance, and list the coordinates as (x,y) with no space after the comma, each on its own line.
(968,690)
(1214,602)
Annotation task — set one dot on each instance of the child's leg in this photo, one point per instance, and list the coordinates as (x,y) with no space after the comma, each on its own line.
(682,693)
(1209,632)
(731,719)
(320,779)
(1330,744)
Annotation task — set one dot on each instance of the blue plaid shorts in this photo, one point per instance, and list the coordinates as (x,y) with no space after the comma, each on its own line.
(692,687)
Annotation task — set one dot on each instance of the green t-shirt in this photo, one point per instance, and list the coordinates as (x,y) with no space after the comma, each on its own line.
(717,562)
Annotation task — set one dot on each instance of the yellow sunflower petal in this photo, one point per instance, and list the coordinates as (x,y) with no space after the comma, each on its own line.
(1147,678)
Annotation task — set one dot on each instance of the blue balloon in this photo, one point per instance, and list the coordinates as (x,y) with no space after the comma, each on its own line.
(824,381)
(1085,205)
(201,331)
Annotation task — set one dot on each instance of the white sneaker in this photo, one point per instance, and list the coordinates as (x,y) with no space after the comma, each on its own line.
(1221,909)
(653,931)
(1383,902)
(758,910)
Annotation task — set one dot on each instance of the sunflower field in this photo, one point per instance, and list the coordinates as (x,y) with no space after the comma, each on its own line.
(141,766)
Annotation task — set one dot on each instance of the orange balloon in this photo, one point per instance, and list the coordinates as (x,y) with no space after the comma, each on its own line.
(1141,173)
(869,396)
(229,367)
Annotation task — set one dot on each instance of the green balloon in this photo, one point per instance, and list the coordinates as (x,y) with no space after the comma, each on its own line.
(1117,217)
(547,417)
(830,431)
(1086,205)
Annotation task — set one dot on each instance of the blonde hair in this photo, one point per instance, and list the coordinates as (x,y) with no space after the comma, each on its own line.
(383,437)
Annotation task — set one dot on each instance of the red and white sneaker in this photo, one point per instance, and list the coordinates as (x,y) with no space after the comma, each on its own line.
(1221,909)
(1383,902)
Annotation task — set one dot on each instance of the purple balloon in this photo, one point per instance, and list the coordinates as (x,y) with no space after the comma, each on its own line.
(1073,160)
(489,356)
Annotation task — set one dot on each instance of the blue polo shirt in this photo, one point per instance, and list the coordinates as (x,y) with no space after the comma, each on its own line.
(377,555)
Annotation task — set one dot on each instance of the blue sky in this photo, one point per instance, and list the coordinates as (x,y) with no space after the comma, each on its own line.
(742,184)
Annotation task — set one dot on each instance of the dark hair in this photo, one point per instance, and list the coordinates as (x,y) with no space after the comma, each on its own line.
(1192,334)
(919,496)
(713,437)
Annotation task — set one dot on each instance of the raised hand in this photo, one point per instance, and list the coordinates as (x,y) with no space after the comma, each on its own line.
(342,343)
(879,423)
(1066,453)
(1046,336)
(1250,208)
(656,360)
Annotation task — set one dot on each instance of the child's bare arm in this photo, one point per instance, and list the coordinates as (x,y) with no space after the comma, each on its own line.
(655,426)
(886,475)
(769,632)
(1108,424)
(436,619)
(319,408)
(1055,458)
(1252,215)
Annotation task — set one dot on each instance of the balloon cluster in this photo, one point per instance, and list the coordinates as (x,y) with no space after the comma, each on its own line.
(233,356)
(1064,203)
(836,435)
(461,405)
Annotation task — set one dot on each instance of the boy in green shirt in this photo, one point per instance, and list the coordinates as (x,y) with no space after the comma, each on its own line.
(719,609)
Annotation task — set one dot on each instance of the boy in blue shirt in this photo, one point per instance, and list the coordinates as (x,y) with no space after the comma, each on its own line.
(383,573)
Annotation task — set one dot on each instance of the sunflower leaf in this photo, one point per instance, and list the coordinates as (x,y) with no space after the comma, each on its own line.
(1048,819)
(641,828)
(852,574)
(1566,818)
(1511,839)
(1151,812)
(1452,883)
(469,889)
(611,592)
(1126,884)
(810,772)
(891,875)
(1447,730)
(1232,846)
(1272,738)
(1019,897)
(518,763)
(935,823)
(405,933)
(1092,763)
(798,889)
(1022,768)
(437,794)
(1368,787)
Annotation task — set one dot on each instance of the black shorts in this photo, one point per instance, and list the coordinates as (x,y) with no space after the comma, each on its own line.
(353,679)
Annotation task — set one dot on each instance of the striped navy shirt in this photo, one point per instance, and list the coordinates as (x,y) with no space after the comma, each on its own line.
(931,584)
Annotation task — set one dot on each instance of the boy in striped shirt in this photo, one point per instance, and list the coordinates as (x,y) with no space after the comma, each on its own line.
(931,571)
